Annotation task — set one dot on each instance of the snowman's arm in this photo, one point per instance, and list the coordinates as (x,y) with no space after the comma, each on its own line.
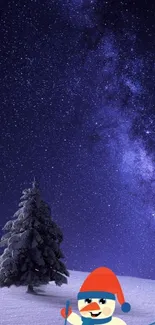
(118,321)
(74,319)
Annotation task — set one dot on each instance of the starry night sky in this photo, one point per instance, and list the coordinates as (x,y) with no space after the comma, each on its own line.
(77,94)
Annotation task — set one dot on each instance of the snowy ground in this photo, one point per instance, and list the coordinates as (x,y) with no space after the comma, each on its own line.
(19,308)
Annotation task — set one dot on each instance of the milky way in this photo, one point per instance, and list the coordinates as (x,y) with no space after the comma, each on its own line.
(78,113)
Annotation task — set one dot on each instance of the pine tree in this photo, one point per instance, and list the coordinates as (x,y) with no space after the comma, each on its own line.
(32,240)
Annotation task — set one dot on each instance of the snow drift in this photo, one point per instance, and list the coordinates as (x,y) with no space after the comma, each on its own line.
(17,307)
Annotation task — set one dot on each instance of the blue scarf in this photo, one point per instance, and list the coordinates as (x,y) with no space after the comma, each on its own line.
(90,321)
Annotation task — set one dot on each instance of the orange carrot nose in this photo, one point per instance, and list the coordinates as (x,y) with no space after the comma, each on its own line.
(91,306)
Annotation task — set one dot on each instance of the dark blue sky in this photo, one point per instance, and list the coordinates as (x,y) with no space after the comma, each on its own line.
(77,112)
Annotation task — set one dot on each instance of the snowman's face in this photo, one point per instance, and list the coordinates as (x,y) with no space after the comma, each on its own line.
(96,308)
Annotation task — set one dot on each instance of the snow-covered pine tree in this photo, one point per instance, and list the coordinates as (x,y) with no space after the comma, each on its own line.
(32,240)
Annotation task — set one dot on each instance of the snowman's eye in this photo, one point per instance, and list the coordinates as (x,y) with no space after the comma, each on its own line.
(88,301)
(102,301)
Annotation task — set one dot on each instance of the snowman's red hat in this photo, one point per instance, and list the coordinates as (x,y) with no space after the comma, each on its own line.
(103,283)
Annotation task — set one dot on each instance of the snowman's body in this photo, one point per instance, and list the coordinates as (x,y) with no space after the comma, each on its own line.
(75,319)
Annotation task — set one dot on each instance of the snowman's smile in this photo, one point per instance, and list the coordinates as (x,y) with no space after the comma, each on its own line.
(94,314)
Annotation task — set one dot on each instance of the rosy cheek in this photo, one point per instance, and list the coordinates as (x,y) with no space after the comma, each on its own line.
(106,311)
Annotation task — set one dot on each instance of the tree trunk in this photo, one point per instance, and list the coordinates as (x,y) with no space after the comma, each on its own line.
(30,289)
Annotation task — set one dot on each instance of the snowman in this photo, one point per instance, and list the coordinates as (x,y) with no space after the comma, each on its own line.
(97,301)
